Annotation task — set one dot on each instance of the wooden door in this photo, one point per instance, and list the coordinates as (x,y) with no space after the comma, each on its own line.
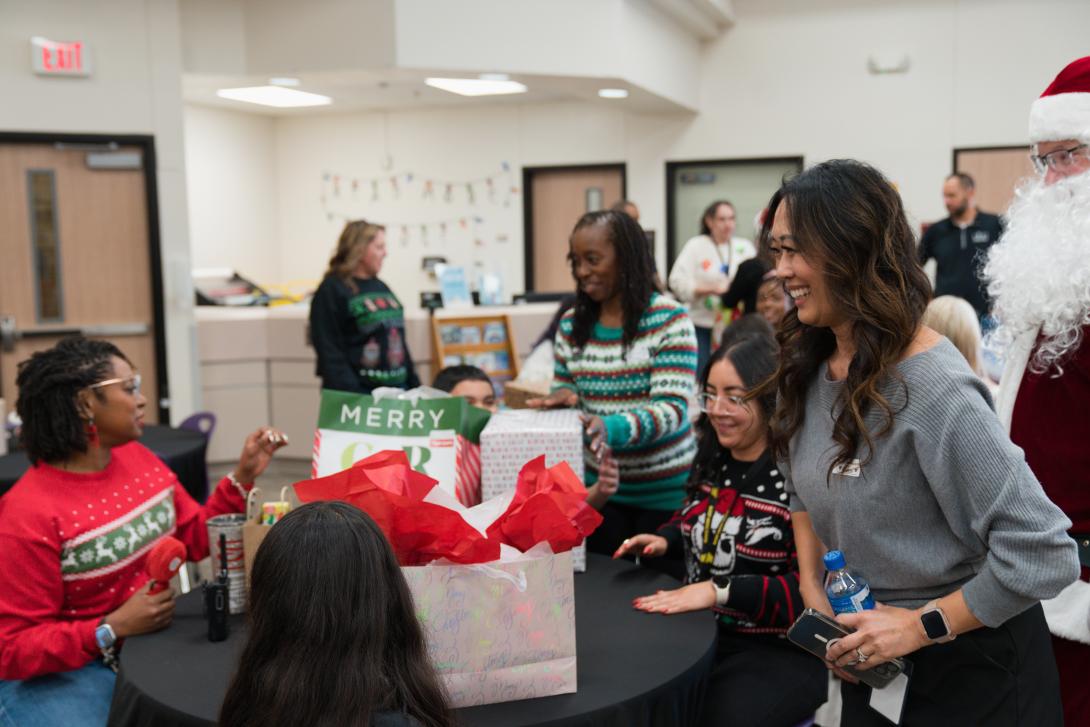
(558,198)
(76,257)
(996,173)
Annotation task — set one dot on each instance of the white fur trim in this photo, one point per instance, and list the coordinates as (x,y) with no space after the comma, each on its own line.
(1017,358)
(1068,614)
(1059,117)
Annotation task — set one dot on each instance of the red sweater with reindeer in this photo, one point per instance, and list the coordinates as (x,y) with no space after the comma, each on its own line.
(72,549)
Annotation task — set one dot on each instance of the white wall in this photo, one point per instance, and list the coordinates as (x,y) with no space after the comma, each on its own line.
(135,88)
(790,78)
(232,190)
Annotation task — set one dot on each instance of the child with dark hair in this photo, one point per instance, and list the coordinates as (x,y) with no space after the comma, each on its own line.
(626,355)
(470,383)
(334,638)
(75,531)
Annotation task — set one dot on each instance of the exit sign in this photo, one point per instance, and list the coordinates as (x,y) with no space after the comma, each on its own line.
(59,58)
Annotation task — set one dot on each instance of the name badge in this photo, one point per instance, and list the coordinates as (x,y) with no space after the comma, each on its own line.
(852,469)
(980,236)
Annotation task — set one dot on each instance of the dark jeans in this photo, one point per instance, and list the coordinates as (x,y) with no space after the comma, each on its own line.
(762,681)
(993,677)
(622,521)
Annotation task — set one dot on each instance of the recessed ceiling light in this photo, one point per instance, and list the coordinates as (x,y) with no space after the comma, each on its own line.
(277,96)
(284,81)
(612,93)
(476,86)
(494,77)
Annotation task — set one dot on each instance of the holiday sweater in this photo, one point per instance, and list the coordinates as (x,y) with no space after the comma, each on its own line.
(703,261)
(74,546)
(642,395)
(359,336)
(736,532)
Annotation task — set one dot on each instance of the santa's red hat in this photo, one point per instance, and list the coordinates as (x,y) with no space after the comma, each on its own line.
(1063,110)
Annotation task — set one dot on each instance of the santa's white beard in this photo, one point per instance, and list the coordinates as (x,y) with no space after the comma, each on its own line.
(1039,272)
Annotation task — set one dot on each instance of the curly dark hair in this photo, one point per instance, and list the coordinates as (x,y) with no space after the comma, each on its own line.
(848,218)
(334,638)
(635,276)
(49,383)
(752,351)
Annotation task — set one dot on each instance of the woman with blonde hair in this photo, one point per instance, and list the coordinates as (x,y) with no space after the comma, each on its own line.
(956,319)
(357,324)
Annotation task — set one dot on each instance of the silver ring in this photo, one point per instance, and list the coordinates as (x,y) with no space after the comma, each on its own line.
(860,656)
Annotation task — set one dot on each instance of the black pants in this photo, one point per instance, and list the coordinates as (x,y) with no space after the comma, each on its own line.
(762,681)
(622,521)
(994,677)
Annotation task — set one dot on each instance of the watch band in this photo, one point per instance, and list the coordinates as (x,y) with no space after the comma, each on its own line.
(931,617)
(722,594)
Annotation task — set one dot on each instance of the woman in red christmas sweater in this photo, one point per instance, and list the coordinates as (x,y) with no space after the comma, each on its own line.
(76,529)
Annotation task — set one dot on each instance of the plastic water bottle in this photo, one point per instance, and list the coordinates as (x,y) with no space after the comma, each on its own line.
(847,592)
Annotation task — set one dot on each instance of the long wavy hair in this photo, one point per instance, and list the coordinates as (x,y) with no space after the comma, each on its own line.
(354,239)
(334,637)
(635,276)
(849,223)
(751,350)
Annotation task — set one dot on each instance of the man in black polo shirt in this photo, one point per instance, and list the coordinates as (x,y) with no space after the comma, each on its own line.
(960,242)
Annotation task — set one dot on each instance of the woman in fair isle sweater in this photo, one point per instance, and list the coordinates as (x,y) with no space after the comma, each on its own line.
(626,356)
(76,529)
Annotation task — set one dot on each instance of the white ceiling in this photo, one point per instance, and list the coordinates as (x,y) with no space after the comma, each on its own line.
(403,89)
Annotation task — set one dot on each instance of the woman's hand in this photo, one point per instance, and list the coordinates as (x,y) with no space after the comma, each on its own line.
(559,399)
(693,597)
(142,613)
(881,634)
(594,431)
(609,480)
(257,452)
(645,545)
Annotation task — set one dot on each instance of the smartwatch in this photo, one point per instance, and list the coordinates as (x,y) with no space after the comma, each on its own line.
(105,636)
(935,624)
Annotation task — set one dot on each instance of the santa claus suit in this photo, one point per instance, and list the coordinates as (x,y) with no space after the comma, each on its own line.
(1048,411)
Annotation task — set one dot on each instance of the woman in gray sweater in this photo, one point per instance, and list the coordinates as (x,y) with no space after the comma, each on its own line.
(895,456)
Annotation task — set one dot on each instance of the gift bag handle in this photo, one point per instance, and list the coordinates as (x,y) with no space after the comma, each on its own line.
(518,581)
(251,499)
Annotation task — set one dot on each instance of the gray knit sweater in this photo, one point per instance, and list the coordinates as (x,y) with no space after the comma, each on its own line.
(946,501)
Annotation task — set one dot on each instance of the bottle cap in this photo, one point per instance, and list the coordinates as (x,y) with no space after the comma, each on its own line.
(834,560)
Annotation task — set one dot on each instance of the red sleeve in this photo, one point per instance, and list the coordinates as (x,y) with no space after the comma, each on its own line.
(34,639)
(192,518)
(766,600)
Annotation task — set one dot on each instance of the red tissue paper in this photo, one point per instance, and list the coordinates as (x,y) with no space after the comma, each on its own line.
(386,488)
(548,505)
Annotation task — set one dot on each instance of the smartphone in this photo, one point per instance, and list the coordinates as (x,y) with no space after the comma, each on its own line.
(814,630)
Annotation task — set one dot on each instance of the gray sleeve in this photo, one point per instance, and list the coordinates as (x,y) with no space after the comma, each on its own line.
(986,491)
(795,504)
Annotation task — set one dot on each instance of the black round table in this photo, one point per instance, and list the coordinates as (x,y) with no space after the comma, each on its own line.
(181,450)
(634,668)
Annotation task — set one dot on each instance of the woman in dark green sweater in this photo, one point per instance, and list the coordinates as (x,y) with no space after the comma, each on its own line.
(357,324)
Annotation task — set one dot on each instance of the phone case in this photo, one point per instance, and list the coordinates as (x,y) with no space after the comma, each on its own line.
(813,631)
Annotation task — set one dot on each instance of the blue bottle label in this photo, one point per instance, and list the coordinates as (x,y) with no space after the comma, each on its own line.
(859,601)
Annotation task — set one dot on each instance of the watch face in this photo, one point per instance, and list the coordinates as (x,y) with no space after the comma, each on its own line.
(104,637)
(934,625)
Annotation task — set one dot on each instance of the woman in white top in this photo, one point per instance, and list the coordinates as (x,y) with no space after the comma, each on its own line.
(704,268)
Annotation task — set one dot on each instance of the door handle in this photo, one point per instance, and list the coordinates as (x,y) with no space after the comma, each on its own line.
(9,333)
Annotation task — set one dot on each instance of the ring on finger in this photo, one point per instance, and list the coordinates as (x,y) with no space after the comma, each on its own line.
(861,658)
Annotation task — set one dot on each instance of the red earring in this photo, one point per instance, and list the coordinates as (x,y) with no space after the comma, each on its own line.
(92,432)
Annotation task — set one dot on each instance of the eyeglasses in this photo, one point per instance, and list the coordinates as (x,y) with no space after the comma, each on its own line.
(132,384)
(707,402)
(1061,160)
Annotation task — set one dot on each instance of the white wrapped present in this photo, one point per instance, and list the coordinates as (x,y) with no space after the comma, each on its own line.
(513,438)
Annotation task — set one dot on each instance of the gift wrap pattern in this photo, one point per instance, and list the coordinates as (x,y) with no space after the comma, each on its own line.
(499,632)
(513,438)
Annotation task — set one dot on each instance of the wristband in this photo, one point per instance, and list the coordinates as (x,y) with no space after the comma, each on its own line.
(722,594)
(238,485)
